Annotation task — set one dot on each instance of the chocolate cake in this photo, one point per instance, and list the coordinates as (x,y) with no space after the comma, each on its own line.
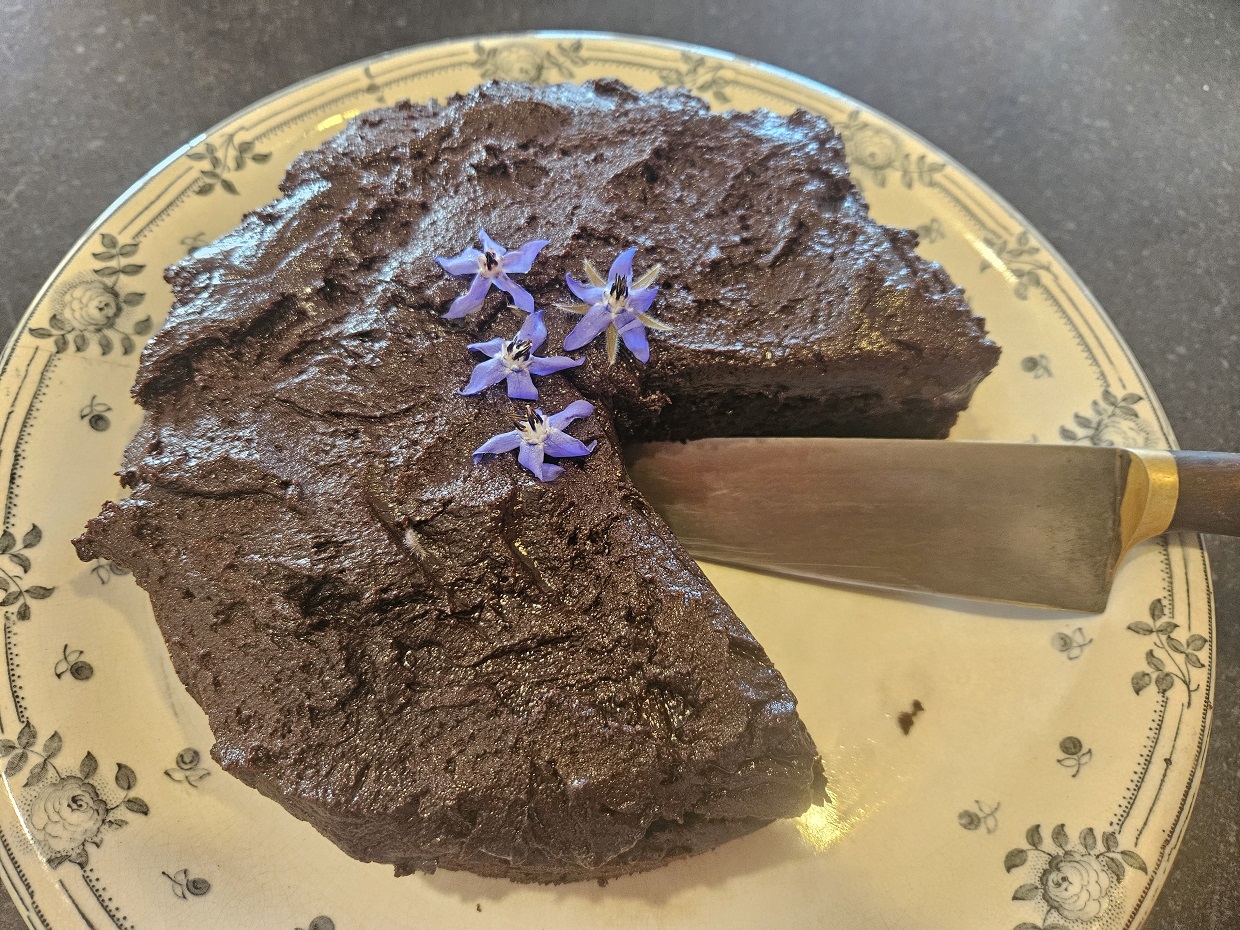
(439,663)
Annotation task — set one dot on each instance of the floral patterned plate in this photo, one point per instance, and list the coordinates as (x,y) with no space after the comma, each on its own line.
(990,768)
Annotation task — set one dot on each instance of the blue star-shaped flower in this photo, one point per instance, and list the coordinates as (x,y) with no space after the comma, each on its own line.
(615,306)
(515,360)
(492,265)
(538,435)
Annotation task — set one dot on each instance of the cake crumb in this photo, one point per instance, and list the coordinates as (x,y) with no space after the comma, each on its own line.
(906,719)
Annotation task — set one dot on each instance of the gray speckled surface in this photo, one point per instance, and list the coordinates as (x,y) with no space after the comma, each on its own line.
(1114,127)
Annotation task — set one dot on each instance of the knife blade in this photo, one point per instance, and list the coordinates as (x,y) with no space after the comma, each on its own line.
(1043,525)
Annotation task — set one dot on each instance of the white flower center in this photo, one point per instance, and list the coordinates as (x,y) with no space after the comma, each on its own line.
(618,296)
(533,428)
(516,355)
(488,264)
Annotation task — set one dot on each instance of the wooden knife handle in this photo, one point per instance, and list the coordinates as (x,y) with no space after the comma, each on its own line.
(1209,500)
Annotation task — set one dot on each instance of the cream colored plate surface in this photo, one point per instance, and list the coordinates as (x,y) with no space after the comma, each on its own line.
(957,740)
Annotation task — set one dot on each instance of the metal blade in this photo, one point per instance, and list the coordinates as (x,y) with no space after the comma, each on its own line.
(1019,523)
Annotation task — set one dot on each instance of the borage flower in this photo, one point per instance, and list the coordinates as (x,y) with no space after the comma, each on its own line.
(515,360)
(615,306)
(540,435)
(492,265)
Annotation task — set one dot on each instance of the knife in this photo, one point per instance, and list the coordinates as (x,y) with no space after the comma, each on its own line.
(1043,525)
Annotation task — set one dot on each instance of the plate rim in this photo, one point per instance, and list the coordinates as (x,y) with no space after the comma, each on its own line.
(1150,893)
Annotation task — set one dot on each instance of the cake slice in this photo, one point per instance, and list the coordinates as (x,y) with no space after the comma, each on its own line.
(439,663)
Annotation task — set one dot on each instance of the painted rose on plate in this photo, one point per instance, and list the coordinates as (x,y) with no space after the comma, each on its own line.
(527,61)
(518,62)
(92,309)
(1077,880)
(67,813)
(90,306)
(1112,421)
(1076,885)
(874,151)
(873,147)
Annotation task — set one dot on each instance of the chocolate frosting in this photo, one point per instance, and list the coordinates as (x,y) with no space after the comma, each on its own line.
(443,664)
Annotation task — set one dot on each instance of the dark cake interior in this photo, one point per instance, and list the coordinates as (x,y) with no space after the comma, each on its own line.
(443,664)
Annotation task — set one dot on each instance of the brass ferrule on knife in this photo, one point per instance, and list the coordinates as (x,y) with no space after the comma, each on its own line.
(1151,491)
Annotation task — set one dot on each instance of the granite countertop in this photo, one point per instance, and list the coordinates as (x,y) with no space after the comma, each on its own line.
(1115,128)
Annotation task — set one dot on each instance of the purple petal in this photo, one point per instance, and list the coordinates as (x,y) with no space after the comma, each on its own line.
(504,442)
(534,330)
(640,301)
(587,293)
(520,296)
(551,472)
(562,446)
(633,334)
(518,261)
(531,457)
(549,366)
(491,347)
(471,300)
(521,386)
(490,244)
(492,371)
(465,263)
(577,410)
(597,319)
(622,267)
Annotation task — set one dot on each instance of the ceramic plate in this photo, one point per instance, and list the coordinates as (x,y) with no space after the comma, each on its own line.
(990,768)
